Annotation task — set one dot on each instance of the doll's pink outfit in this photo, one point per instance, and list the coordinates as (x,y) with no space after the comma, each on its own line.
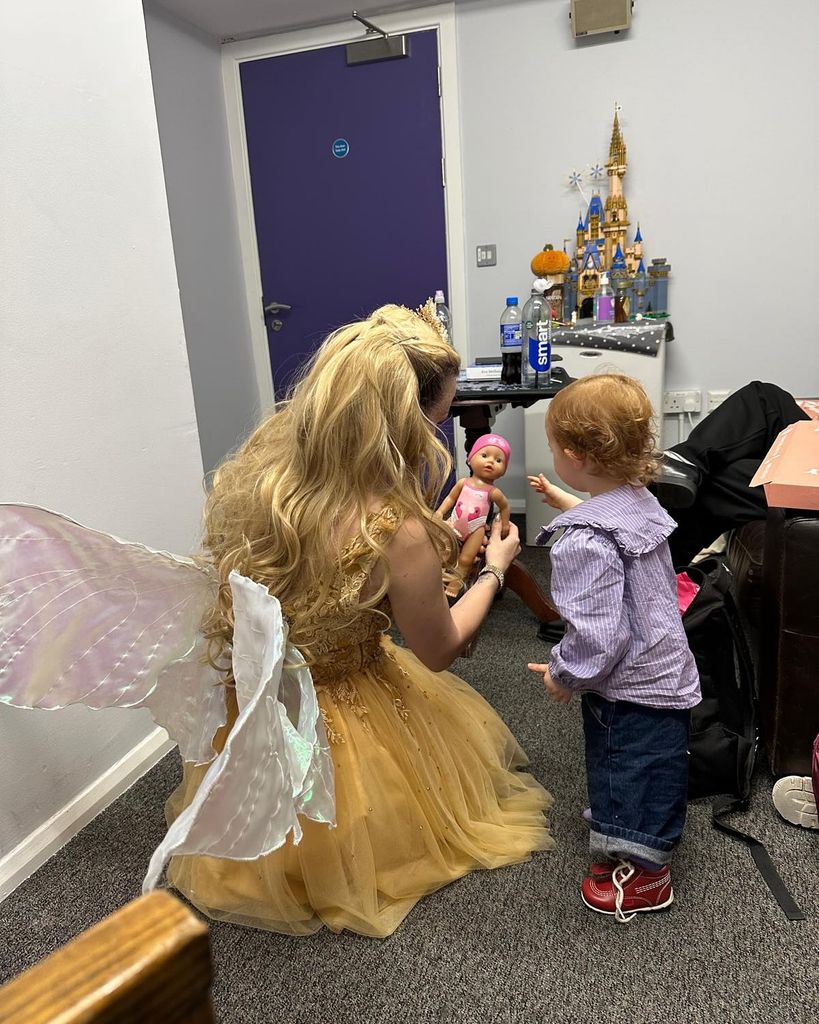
(471,510)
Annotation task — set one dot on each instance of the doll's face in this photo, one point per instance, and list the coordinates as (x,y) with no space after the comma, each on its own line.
(489,463)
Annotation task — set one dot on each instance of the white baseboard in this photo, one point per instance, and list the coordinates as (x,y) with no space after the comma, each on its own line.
(21,862)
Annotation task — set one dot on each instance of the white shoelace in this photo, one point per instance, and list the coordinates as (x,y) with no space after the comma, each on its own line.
(621,875)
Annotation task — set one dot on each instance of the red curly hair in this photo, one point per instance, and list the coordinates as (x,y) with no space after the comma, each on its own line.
(607,418)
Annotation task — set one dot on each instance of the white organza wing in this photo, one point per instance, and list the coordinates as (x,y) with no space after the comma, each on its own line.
(275,764)
(87,618)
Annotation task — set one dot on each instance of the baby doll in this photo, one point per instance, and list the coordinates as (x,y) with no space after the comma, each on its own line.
(471,499)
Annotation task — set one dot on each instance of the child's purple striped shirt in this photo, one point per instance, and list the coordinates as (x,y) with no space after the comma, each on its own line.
(614,585)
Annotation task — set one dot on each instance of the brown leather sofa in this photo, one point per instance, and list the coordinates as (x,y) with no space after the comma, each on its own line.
(776,573)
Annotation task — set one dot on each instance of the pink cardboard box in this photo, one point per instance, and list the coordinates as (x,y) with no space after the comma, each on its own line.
(790,470)
(809,406)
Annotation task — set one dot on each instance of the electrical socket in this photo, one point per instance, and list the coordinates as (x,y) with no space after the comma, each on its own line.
(716,398)
(681,401)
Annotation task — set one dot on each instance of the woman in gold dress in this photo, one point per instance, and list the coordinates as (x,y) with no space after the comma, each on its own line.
(328,505)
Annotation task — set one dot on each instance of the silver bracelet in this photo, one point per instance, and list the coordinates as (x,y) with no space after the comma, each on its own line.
(493,570)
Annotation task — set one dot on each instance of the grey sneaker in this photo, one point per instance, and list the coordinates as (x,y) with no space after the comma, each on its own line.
(793,798)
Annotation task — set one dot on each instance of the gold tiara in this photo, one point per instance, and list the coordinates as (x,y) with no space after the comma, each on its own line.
(430,317)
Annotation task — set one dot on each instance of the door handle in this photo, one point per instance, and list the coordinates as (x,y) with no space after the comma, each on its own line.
(277,307)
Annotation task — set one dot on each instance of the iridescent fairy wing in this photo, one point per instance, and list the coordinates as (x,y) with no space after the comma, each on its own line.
(87,618)
(276,762)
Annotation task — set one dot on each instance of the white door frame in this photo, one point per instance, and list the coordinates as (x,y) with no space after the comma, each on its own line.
(440,17)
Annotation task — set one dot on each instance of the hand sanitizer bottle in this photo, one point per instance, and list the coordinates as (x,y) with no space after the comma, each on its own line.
(604,302)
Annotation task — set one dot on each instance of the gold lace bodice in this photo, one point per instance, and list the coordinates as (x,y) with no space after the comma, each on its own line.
(342,637)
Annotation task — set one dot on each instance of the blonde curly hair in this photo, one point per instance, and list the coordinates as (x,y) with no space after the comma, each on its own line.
(607,418)
(352,435)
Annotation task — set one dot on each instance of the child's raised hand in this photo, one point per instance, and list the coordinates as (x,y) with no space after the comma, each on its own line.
(555,690)
(552,494)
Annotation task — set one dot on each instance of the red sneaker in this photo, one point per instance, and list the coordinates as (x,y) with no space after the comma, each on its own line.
(628,891)
(602,868)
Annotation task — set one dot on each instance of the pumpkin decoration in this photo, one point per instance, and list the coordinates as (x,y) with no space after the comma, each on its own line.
(549,262)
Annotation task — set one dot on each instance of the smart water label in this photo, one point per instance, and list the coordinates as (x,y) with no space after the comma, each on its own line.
(540,353)
(510,335)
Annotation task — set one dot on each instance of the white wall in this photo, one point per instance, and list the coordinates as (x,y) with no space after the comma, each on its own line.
(187,77)
(719,112)
(96,411)
(719,108)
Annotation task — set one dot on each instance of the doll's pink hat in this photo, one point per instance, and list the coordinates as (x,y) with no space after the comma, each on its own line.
(491,439)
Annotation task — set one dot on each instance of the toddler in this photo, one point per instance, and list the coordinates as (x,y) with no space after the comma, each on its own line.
(624,648)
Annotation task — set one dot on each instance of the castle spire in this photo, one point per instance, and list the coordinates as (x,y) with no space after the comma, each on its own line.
(617,147)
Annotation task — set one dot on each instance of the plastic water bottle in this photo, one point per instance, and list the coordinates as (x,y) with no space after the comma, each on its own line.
(442,312)
(604,302)
(510,341)
(537,336)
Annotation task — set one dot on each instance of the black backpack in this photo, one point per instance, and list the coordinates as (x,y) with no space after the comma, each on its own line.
(723,739)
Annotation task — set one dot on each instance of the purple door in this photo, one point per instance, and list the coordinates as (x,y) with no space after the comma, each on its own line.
(345,167)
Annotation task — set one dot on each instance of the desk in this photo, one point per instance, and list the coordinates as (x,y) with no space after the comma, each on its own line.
(476,404)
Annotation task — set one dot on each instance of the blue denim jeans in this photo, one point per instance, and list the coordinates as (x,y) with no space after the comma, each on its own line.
(637,768)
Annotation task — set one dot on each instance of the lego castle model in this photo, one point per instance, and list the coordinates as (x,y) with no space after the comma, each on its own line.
(601,247)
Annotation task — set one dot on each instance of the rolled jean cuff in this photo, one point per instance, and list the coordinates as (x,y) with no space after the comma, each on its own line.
(622,842)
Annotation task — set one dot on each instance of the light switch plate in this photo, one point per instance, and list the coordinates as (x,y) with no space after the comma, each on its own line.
(487,255)
(717,397)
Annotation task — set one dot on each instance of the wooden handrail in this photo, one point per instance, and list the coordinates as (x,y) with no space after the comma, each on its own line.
(148,961)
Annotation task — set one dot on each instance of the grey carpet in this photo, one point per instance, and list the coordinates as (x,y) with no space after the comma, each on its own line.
(514,945)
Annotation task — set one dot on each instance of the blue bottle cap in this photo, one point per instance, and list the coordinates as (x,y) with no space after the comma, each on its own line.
(512,300)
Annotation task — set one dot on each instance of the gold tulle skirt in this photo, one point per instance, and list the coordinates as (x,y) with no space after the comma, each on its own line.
(426,791)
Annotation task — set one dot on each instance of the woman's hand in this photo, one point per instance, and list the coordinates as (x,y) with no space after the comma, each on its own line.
(502,551)
(552,494)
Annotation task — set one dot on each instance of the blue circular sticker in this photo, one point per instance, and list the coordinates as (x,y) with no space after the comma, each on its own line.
(341,147)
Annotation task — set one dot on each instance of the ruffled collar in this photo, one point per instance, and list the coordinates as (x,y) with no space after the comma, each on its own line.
(631,516)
